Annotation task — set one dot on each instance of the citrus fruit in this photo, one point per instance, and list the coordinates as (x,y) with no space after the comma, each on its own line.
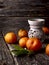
(33,44)
(46,30)
(22,33)
(22,41)
(10,37)
(47,49)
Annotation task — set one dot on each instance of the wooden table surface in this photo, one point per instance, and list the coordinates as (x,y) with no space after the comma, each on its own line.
(6,58)
(14,15)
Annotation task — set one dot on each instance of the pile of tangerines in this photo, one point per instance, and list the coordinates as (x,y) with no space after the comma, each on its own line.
(33,44)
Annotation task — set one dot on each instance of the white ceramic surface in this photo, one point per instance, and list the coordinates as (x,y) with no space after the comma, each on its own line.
(36,28)
(36,22)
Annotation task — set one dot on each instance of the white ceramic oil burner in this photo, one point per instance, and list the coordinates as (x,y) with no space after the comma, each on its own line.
(36,28)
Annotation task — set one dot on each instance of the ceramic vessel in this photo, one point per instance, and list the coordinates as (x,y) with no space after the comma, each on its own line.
(36,28)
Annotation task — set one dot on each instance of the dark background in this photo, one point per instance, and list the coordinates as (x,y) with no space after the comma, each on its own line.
(22,10)
(14,14)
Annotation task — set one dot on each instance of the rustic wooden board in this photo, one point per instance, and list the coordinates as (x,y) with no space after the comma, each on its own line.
(39,59)
(5,55)
(14,15)
(14,24)
(35,59)
(24,8)
(19,22)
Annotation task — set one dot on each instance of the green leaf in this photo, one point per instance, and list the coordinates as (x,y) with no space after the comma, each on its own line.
(17,47)
(30,52)
(19,51)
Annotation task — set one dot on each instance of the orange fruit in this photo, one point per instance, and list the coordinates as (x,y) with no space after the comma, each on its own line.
(22,33)
(10,37)
(46,30)
(47,49)
(22,41)
(33,44)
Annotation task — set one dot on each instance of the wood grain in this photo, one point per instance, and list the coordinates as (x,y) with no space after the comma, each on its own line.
(5,56)
(14,24)
(14,15)
(24,8)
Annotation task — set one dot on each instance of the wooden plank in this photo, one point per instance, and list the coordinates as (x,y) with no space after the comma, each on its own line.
(23,8)
(8,24)
(36,59)
(20,22)
(39,58)
(5,56)
(14,22)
